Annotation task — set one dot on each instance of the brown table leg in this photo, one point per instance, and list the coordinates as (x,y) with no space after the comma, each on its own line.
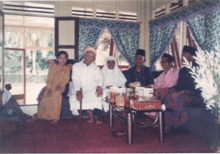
(130,127)
(161,126)
(111,118)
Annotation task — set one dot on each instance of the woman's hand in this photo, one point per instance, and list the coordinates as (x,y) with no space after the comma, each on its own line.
(49,93)
(176,94)
(79,95)
(58,88)
(107,87)
(98,91)
(156,92)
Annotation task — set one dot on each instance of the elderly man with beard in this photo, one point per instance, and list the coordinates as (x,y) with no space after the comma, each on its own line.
(87,80)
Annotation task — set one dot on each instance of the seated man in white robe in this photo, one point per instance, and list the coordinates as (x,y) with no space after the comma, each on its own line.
(112,77)
(87,80)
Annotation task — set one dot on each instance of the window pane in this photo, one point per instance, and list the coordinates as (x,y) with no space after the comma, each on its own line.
(36,73)
(39,37)
(120,58)
(13,70)
(103,48)
(13,37)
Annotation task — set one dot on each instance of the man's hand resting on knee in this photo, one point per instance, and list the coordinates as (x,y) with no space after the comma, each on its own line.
(98,91)
(79,95)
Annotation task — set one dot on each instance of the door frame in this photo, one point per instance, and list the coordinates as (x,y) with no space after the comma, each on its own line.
(76,45)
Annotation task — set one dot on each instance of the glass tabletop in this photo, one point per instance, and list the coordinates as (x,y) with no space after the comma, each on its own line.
(130,109)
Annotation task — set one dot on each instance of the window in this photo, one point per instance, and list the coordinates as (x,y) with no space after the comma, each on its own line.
(105,48)
(175,5)
(82,12)
(128,16)
(160,11)
(36,36)
(175,48)
(103,14)
(29,8)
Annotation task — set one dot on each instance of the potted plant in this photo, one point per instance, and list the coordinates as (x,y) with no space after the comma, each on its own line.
(207,79)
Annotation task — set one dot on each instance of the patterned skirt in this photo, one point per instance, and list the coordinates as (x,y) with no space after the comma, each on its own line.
(179,116)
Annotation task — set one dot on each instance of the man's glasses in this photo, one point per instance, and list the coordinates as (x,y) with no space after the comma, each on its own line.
(90,55)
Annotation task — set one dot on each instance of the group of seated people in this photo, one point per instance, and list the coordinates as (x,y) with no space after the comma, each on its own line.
(85,82)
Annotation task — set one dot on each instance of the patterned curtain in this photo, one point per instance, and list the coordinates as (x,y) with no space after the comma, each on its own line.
(206,30)
(124,34)
(88,35)
(159,42)
(169,23)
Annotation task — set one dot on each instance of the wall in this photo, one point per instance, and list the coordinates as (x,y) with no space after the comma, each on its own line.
(1,52)
(141,7)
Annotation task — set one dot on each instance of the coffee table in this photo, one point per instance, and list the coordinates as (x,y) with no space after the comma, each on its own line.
(131,120)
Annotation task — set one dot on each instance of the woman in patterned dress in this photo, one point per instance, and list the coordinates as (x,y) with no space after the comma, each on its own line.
(57,78)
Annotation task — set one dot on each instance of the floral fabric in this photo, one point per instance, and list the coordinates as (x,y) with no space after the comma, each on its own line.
(124,34)
(205,29)
(50,107)
(159,42)
(203,20)
(201,7)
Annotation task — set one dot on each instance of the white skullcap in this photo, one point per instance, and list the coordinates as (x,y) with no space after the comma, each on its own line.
(90,49)
(51,57)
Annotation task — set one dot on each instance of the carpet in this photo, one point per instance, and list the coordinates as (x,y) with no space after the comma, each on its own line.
(42,137)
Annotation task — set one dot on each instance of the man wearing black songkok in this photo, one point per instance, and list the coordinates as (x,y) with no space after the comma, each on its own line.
(139,72)
(184,93)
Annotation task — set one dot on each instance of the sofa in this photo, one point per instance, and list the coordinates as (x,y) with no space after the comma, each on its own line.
(200,120)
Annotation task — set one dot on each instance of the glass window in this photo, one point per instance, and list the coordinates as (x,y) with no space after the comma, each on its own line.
(120,59)
(13,70)
(39,37)
(13,37)
(103,51)
(36,36)
(103,48)
(36,73)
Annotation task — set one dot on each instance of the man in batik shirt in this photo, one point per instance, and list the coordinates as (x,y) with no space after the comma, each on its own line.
(139,72)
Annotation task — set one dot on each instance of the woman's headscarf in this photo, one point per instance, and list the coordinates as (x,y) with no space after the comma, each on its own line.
(112,77)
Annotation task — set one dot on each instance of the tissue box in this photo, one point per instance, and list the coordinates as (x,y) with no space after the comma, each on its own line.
(147,104)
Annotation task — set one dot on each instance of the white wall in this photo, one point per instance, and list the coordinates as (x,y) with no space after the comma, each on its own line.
(143,8)
(29,109)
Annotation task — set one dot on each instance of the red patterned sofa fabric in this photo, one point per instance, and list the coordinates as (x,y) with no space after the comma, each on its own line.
(7,127)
